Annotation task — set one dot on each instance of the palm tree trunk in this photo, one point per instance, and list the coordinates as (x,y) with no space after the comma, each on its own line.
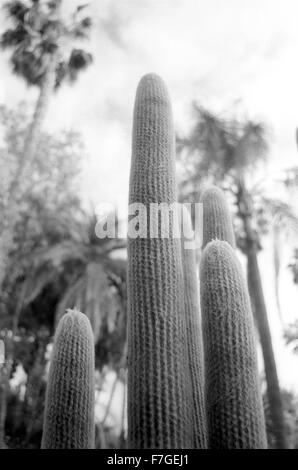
(261,317)
(33,134)
(276,260)
(29,153)
(32,138)
(259,307)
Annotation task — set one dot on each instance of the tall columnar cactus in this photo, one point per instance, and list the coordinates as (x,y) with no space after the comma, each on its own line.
(159,389)
(232,386)
(217,223)
(233,399)
(69,409)
(194,336)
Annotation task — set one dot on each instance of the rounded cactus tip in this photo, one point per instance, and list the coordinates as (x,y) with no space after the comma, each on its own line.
(219,253)
(212,191)
(74,318)
(218,250)
(152,87)
(150,77)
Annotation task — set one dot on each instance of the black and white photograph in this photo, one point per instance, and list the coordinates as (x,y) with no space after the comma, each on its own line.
(148,227)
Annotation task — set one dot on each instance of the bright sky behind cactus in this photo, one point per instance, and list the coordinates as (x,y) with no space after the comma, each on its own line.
(229,55)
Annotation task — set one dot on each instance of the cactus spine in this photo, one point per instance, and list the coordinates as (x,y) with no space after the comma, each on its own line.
(233,400)
(159,408)
(69,409)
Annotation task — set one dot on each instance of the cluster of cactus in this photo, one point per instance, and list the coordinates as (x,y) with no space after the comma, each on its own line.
(192,382)
(192,372)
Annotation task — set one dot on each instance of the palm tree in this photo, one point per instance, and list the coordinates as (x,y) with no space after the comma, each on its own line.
(42,54)
(86,268)
(229,153)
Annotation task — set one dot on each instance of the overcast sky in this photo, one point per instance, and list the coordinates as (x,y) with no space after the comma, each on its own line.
(228,55)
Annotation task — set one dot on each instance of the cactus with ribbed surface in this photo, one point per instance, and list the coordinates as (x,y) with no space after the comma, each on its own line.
(69,408)
(159,298)
(231,364)
(233,400)
(159,391)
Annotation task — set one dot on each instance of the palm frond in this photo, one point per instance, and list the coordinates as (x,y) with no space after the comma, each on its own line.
(79,60)
(291,335)
(35,283)
(252,144)
(81,29)
(13,37)
(217,146)
(290,178)
(282,215)
(16,10)
(59,253)
(82,7)
(52,4)
(67,300)
(61,73)
(28,65)
(91,294)
(35,35)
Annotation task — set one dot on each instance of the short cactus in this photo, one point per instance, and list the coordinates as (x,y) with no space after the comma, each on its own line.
(69,409)
(234,406)
(217,222)
(159,390)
